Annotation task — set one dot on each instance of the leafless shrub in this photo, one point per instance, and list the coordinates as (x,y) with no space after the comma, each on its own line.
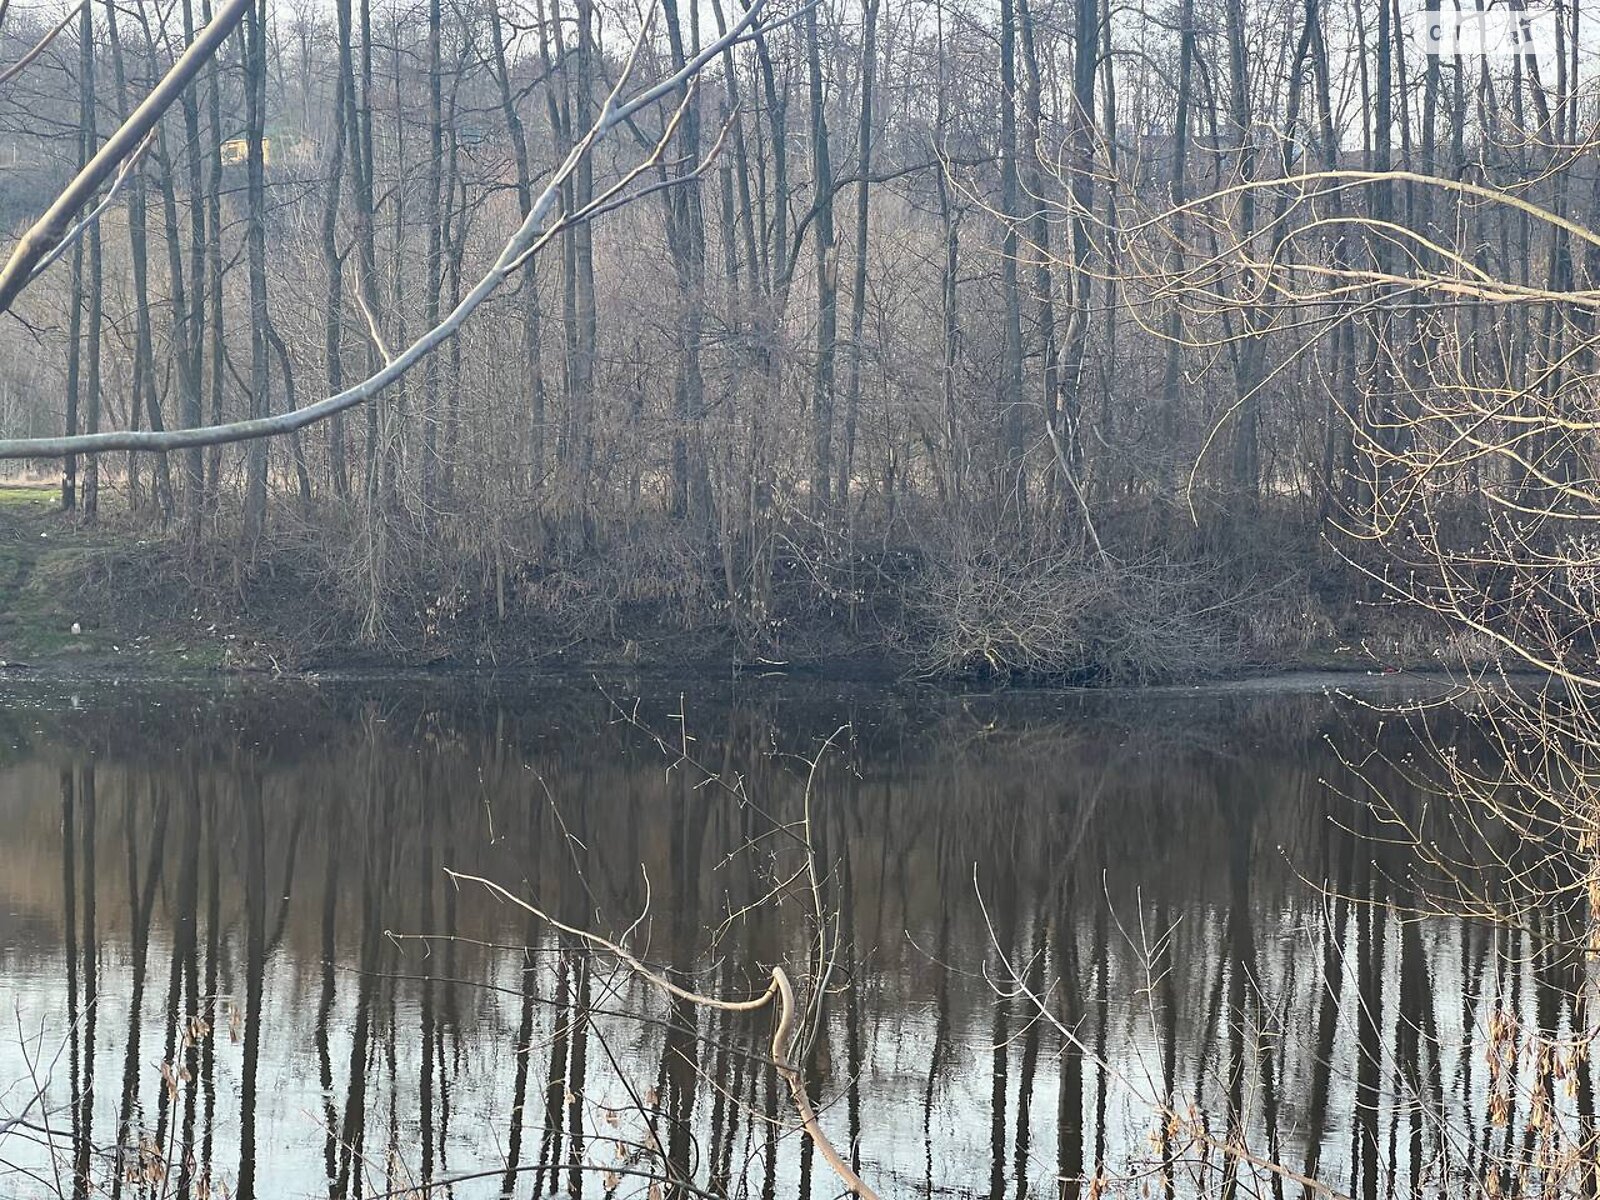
(1061,615)
(654,568)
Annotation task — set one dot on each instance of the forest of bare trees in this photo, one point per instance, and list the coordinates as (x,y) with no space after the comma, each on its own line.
(988,334)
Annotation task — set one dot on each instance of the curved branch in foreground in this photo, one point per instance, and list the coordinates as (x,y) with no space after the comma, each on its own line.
(49,229)
(614,112)
(779,988)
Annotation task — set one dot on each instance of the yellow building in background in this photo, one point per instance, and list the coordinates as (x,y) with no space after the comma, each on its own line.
(235,151)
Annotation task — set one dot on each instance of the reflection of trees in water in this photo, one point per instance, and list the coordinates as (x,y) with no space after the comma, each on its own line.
(1140,863)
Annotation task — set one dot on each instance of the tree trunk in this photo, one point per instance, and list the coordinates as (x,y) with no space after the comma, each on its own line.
(1012,484)
(827,276)
(144,374)
(255,90)
(858,285)
(532,335)
(89,132)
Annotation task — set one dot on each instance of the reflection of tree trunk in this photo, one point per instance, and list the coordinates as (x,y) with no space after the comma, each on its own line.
(426,1018)
(519,1087)
(577,1078)
(1241,963)
(255,914)
(1370,936)
(681,1051)
(91,967)
(1413,1035)
(1575,988)
(141,901)
(724,1099)
(1547,1011)
(354,1125)
(1028,1070)
(769,1180)
(330,911)
(208,1054)
(69,903)
(1000,1056)
(941,1039)
(1069,1111)
(1512,965)
(1330,987)
(680,1064)
(1101,966)
(187,945)
(555,1077)
(1169,1041)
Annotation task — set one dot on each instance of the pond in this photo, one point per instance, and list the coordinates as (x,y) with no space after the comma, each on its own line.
(234,959)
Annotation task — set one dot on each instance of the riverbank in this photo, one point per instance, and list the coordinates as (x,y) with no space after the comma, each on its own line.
(79,600)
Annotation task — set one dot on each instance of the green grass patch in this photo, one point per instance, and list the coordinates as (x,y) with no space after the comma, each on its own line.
(22,495)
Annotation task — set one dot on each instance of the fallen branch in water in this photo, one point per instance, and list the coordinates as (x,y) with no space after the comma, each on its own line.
(779,987)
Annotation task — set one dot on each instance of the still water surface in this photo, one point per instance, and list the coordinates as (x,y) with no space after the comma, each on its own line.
(237,882)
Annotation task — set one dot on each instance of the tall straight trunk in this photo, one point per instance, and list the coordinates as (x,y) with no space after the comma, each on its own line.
(1337,441)
(1247,363)
(1086,53)
(297,449)
(858,284)
(90,135)
(456,239)
(827,277)
(1110,305)
(184,330)
(753,304)
(359,116)
(435,268)
(1377,416)
(686,241)
(777,266)
(559,106)
(1039,223)
(1171,375)
(333,264)
(254,29)
(397,414)
(948,297)
(144,376)
(69,463)
(583,264)
(532,335)
(1012,489)
(206,242)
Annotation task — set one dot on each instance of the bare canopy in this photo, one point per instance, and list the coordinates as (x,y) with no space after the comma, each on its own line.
(535,230)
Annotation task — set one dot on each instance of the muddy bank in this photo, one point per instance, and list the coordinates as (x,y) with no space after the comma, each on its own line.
(103,602)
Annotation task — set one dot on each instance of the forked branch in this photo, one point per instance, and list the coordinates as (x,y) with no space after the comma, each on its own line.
(779,988)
